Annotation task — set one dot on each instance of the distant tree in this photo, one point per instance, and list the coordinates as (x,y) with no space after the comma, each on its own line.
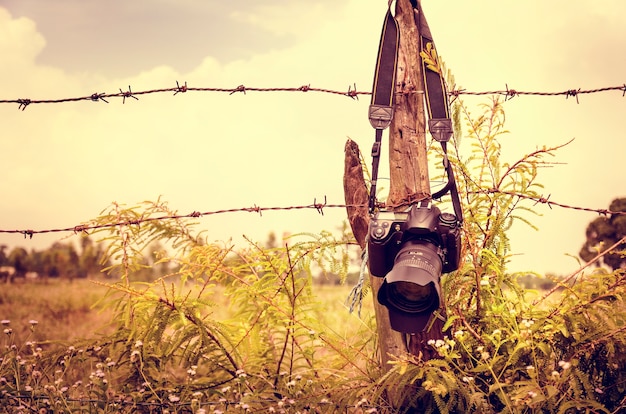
(603,232)
(18,258)
(3,255)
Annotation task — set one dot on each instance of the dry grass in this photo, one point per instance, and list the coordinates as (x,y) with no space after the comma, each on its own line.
(63,310)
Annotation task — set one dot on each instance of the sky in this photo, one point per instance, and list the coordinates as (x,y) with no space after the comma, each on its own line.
(62,164)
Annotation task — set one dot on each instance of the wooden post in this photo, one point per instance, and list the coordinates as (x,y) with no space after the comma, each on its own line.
(408,174)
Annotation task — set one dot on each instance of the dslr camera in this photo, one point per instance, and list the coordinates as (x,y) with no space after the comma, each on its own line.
(411,250)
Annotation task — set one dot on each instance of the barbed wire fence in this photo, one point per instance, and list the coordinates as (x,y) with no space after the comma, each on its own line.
(352,92)
(319,207)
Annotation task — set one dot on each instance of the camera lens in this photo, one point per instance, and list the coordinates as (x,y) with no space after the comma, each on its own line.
(412,298)
(411,286)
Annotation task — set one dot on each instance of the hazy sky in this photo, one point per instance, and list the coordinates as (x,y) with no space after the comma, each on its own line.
(64,163)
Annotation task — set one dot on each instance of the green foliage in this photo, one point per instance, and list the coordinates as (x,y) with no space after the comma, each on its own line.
(227,329)
(508,349)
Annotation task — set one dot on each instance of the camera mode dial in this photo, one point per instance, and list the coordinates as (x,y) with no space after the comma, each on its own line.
(448,219)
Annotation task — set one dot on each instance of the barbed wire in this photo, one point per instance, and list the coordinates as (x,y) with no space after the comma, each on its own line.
(352,92)
(319,207)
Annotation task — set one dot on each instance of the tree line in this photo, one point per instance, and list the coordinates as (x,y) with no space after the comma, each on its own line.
(62,259)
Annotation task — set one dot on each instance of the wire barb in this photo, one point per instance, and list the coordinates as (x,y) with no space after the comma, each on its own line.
(510,93)
(319,206)
(574,93)
(239,88)
(352,93)
(23,103)
(180,89)
(128,94)
(99,97)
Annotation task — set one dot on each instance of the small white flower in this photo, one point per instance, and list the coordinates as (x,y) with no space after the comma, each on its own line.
(565,365)
(138,343)
(173,398)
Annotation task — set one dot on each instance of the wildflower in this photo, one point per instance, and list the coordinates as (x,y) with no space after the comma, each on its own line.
(565,365)
(28,388)
(5,322)
(484,355)
(496,332)
(431,342)
(8,331)
(225,389)
(173,398)
(527,323)
(110,364)
(138,343)
(468,379)
(241,373)
(245,406)
(191,371)
(484,281)
(291,383)
(459,333)
(532,394)
(530,368)
(555,374)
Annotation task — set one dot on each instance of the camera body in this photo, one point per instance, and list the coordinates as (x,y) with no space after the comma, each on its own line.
(423,223)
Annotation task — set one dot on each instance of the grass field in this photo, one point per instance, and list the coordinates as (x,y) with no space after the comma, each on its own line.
(62,310)
(65,310)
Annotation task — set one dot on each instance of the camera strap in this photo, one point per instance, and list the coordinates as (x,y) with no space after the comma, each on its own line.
(381,107)
(437,106)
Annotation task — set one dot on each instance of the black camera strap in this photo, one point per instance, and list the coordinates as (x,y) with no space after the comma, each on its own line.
(381,108)
(437,106)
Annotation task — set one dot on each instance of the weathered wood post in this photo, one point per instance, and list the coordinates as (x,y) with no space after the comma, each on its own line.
(408,175)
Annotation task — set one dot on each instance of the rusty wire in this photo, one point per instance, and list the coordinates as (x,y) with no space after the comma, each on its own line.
(352,92)
(319,207)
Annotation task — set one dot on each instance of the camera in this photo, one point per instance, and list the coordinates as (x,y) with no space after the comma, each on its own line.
(411,250)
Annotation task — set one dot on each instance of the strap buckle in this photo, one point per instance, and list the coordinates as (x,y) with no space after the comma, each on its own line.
(440,129)
(380,116)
